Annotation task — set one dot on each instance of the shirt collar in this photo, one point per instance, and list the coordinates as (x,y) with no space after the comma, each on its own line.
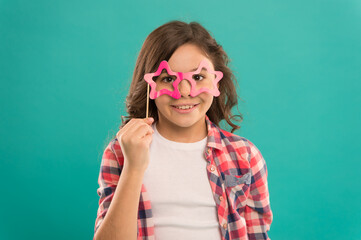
(214,139)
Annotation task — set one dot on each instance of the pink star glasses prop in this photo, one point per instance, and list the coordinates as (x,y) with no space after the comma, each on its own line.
(166,81)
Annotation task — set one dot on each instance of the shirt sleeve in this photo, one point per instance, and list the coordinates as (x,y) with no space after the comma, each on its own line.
(109,173)
(258,214)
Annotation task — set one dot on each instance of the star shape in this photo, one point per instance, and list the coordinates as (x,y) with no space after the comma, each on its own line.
(180,76)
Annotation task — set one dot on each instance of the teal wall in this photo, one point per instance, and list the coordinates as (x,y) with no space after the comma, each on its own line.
(65,69)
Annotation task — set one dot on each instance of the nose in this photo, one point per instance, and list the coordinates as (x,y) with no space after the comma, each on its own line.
(184,87)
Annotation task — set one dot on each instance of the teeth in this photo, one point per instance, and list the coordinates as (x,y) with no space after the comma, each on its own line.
(185,107)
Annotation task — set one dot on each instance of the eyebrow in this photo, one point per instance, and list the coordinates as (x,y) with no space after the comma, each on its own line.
(203,68)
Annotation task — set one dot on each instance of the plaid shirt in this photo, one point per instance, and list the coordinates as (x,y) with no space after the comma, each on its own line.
(237,175)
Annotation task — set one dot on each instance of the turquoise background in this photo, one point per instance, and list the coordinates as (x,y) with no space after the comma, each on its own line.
(65,69)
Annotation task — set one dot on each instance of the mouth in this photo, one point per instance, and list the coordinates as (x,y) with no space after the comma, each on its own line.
(184,108)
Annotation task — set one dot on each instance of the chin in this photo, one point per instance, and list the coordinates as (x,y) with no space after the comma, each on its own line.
(185,122)
(181,123)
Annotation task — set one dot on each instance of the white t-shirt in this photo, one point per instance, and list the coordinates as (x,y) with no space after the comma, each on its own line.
(182,202)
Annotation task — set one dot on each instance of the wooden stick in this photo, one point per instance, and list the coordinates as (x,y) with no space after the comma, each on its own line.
(147,100)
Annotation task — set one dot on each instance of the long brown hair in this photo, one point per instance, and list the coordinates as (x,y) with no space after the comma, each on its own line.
(160,45)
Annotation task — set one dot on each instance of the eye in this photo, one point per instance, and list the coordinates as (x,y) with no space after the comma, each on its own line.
(198,77)
(167,79)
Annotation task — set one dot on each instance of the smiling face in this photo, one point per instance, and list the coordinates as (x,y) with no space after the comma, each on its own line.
(185,112)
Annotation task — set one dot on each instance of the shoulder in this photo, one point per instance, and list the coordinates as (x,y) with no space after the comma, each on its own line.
(239,144)
(113,151)
(233,140)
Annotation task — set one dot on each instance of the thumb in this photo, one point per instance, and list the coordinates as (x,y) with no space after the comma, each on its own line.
(149,120)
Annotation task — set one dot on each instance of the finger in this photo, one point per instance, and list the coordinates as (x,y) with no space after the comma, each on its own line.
(147,139)
(142,130)
(138,122)
(149,120)
(128,126)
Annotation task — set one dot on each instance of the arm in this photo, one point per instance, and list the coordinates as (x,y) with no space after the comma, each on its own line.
(258,213)
(119,191)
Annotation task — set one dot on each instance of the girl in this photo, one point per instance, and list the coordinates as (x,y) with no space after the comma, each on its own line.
(177,174)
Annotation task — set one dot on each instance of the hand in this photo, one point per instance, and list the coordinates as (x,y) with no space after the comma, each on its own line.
(135,138)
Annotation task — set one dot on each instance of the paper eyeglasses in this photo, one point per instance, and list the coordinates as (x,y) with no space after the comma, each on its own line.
(166,81)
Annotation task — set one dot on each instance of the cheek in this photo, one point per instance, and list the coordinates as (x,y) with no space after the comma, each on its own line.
(156,101)
(207,99)
(161,101)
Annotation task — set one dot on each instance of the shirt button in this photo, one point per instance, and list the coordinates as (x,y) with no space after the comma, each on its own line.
(225,226)
(220,198)
(213,168)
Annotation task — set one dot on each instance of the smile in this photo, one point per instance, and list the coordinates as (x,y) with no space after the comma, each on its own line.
(185,108)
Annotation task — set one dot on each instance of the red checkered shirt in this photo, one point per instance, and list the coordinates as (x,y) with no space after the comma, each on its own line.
(237,174)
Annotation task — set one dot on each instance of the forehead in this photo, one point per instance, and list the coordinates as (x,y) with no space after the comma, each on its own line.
(187,58)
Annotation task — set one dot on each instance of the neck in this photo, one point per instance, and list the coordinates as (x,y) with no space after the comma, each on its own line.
(175,133)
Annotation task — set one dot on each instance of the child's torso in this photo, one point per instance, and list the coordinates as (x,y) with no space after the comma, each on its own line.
(179,190)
